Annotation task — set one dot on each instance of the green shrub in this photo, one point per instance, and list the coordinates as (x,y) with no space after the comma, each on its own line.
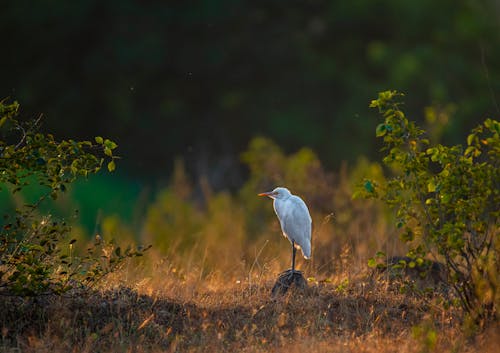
(446,201)
(36,256)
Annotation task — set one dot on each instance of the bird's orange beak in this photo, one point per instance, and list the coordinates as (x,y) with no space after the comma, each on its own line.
(265,193)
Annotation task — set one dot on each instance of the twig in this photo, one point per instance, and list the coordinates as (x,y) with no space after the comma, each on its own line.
(255,261)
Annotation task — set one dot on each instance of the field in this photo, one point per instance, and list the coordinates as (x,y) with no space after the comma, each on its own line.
(205,284)
(351,311)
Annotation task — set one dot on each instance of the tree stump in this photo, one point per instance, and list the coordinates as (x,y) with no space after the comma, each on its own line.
(286,280)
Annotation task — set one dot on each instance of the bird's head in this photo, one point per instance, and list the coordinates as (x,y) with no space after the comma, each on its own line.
(278,193)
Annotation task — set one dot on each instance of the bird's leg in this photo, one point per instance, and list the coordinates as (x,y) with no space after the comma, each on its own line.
(293,256)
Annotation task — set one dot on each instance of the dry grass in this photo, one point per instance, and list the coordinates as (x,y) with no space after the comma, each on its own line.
(206,285)
(178,312)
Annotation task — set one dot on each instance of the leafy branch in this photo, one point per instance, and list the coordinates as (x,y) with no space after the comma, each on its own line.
(33,258)
(446,201)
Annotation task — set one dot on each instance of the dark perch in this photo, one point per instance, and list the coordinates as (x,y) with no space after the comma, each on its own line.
(286,280)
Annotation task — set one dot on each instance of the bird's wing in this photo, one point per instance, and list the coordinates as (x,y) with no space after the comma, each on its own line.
(297,224)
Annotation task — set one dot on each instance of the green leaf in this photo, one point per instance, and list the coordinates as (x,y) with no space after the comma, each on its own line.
(110,144)
(471,150)
(99,140)
(407,236)
(444,173)
(380,254)
(431,186)
(369,186)
(108,152)
(36,247)
(111,166)
(381,130)
(470,139)
(2,121)
(372,263)
(357,194)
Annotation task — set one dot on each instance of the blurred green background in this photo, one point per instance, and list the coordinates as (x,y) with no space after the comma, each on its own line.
(197,80)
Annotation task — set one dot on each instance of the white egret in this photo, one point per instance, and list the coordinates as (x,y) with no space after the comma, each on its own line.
(295,220)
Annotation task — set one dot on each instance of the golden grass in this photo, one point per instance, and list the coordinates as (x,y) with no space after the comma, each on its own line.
(176,311)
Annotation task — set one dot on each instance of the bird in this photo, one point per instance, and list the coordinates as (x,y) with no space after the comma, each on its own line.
(295,220)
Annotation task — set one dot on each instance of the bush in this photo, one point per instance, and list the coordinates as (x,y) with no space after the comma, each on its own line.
(446,201)
(35,255)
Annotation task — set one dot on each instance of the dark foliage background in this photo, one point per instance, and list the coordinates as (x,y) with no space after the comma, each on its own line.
(199,79)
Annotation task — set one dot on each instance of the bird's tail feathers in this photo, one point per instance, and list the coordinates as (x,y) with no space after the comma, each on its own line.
(306,251)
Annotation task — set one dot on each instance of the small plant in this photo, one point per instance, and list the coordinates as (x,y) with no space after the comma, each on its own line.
(446,201)
(35,254)
(426,334)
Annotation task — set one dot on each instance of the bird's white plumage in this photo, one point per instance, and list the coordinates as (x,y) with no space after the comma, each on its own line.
(294,218)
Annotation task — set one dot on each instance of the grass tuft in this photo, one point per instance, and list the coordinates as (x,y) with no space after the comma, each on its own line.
(212,314)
